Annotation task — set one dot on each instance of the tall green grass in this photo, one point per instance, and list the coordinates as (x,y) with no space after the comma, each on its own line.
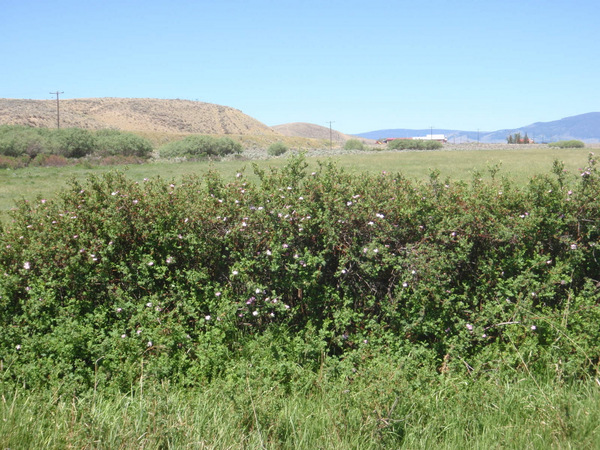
(380,409)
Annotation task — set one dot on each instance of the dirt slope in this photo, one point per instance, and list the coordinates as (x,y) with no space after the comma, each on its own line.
(133,114)
(310,130)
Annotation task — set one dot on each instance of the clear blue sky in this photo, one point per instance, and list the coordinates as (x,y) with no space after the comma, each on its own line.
(365,65)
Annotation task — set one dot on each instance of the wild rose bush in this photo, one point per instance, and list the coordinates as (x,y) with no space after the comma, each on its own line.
(115,280)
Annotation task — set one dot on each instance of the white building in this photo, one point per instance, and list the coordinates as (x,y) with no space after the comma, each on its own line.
(433,137)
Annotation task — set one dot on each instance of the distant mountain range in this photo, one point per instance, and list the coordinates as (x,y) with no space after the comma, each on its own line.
(584,127)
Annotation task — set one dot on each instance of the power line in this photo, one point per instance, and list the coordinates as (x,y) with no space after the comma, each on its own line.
(330,139)
(57,93)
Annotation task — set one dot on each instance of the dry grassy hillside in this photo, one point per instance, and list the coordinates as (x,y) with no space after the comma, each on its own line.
(135,114)
(312,131)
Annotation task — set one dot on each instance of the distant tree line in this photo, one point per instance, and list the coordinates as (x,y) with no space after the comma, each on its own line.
(518,139)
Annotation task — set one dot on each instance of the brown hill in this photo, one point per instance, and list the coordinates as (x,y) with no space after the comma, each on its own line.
(312,131)
(133,114)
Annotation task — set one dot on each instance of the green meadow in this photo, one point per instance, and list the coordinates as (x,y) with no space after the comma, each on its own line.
(518,164)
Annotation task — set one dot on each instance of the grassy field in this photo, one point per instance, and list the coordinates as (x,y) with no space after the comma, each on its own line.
(460,164)
(518,164)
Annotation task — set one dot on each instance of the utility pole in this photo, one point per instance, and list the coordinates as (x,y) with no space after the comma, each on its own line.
(57,93)
(330,139)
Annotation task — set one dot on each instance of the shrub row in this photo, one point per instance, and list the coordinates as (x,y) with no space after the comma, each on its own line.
(19,141)
(200,147)
(567,144)
(115,280)
(21,146)
(414,144)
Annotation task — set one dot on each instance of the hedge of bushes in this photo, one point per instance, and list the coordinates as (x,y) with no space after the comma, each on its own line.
(414,144)
(115,280)
(21,146)
(567,144)
(28,144)
(200,147)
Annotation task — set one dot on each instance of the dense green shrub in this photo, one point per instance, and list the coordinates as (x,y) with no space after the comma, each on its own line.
(116,280)
(17,141)
(414,144)
(200,147)
(118,143)
(277,149)
(354,144)
(567,144)
(72,142)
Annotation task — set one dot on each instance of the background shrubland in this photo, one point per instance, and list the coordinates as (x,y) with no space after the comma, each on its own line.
(200,147)
(414,144)
(21,146)
(568,144)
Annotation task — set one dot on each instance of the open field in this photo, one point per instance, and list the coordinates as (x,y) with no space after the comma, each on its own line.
(455,162)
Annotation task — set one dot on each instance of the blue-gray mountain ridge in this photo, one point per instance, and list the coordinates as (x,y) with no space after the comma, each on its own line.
(583,127)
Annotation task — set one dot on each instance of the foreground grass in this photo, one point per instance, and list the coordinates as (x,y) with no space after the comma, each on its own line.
(375,412)
(518,164)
